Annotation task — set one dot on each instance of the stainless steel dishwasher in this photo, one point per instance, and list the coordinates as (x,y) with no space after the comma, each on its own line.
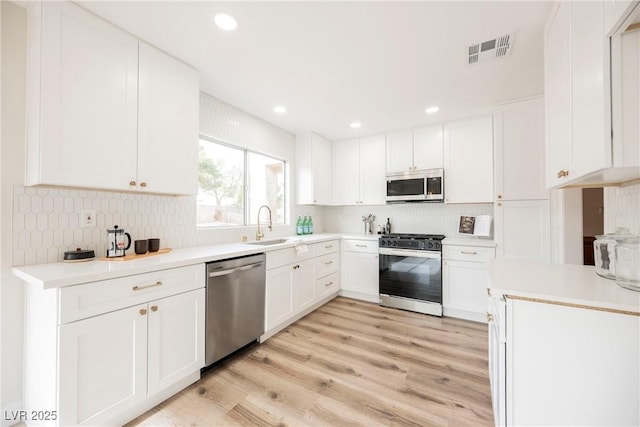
(235,305)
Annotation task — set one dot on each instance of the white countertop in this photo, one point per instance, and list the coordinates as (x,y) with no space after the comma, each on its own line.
(561,283)
(60,274)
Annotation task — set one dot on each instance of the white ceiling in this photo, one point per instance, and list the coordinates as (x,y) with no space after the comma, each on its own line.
(331,63)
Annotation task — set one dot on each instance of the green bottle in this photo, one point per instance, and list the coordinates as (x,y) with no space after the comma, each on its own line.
(299,227)
(310,223)
(305,225)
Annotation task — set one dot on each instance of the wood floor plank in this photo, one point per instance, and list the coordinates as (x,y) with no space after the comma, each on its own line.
(349,363)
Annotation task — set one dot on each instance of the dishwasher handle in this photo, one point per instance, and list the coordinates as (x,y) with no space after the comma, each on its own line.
(235,270)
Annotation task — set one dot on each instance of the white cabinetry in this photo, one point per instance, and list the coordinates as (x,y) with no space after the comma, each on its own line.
(522,211)
(360,270)
(464,281)
(468,161)
(314,169)
(104,352)
(359,171)
(416,149)
(104,110)
(579,364)
(296,283)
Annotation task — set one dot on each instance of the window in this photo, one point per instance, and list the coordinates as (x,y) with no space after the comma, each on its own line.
(234,183)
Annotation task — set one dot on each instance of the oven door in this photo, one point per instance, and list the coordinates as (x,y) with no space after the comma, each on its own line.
(411,274)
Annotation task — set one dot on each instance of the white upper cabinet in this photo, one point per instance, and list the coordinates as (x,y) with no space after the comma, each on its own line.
(101,115)
(519,151)
(359,171)
(468,161)
(583,89)
(417,149)
(168,112)
(83,88)
(314,169)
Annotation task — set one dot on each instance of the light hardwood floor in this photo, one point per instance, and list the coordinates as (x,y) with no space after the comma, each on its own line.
(348,363)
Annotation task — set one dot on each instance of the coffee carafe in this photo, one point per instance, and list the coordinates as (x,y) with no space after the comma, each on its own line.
(116,246)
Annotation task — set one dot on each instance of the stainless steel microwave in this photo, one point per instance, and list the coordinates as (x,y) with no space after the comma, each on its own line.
(417,186)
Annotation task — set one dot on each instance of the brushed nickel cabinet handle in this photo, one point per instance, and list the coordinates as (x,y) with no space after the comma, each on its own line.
(143,311)
(361,246)
(328,246)
(563,174)
(469,252)
(328,263)
(489,317)
(489,291)
(139,288)
(328,284)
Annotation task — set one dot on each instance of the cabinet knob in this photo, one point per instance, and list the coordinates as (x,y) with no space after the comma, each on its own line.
(489,317)
(143,184)
(132,183)
(143,311)
(499,196)
(563,174)
(499,204)
(154,308)
(489,291)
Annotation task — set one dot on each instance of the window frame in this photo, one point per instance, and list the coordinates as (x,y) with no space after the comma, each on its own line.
(245,185)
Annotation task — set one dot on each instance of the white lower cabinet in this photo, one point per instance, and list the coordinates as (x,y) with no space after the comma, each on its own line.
(562,364)
(360,270)
(111,366)
(465,282)
(296,283)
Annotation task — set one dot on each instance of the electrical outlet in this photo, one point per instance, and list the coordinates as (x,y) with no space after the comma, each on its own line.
(87,218)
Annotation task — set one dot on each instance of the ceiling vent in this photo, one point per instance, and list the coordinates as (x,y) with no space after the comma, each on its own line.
(490,49)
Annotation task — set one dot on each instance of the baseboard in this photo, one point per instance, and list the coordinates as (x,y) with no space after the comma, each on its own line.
(360,295)
(474,316)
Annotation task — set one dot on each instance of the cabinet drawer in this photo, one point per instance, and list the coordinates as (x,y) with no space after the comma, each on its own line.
(368,246)
(286,256)
(467,253)
(91,299)
(329,247)
(326,265)
(327,285)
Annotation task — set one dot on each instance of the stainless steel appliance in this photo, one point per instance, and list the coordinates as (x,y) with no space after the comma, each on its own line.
(411,272)
(418,186)
(235,305)
(116,246)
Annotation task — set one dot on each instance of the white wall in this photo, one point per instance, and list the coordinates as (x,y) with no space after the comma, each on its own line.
(14,38)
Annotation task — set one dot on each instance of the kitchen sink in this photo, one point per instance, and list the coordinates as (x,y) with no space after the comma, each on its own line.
(268,242)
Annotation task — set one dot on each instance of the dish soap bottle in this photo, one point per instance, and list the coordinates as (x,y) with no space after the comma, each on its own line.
(305,225)
(310,225)
(299,229)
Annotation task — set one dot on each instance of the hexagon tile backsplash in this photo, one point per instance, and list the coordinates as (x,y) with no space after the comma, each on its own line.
(46,221)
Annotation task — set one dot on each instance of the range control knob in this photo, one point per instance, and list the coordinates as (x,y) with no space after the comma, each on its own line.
(382,242)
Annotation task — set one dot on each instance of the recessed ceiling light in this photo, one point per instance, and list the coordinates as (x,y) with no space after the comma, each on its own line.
(432,110)
(355,125)
(280,109)
(225,22)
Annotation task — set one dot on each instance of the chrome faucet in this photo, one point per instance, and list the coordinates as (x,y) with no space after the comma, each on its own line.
(260,233)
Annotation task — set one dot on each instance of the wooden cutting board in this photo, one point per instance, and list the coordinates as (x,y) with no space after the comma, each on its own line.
(133,256)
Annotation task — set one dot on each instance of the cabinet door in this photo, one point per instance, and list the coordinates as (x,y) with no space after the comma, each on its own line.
(88,101)
(304,285)
(464,290)
(176,339)
(399,151)
(591,146)
(102,366)
(428,146)
(522,229)
(168,124)
(279,295)
(558,93)
(373,182)
(346,172)
(360,274)
(322,167)
(520,151)
(468,161)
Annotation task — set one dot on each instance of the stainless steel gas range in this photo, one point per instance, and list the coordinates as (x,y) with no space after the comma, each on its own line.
(411,272)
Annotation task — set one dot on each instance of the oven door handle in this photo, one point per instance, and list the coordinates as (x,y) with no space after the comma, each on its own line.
(410,252)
